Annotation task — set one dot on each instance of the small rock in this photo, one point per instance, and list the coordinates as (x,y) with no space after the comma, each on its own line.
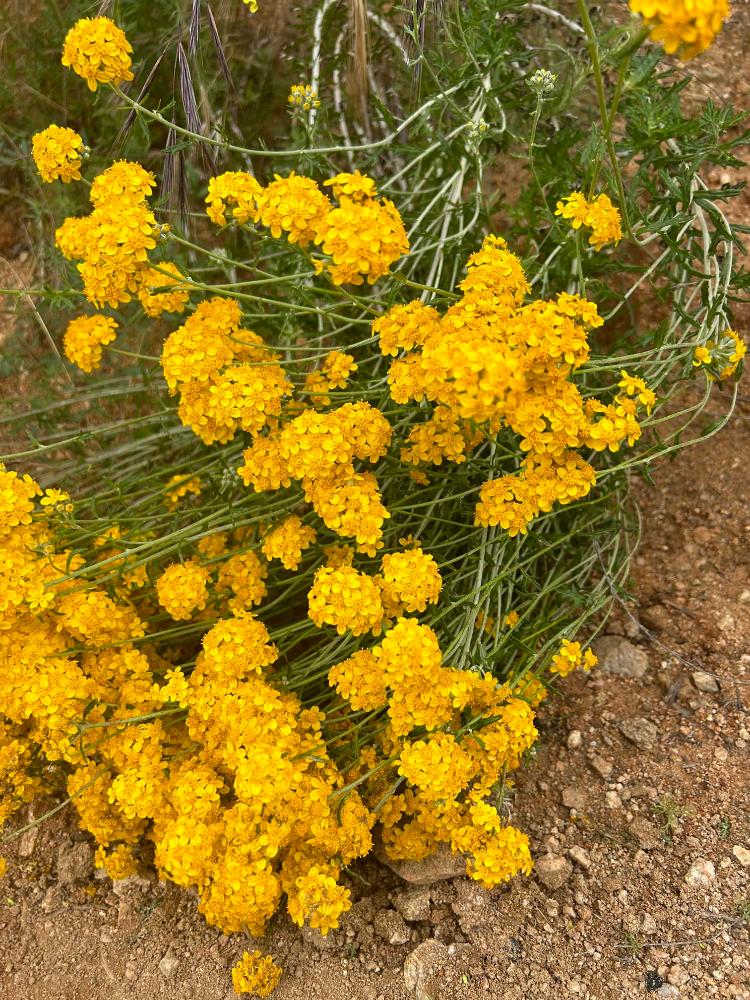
(602,767)
(656,616)
(701,874)
(168,965)
(575,739)
(75,862)
(413,904)
(678,976)
(553,871)
(574,797)
(668,992)
(645,834)
(581,857)
(422,966)
(742,854)
(648,924)
(704,681)
(441,865)
(390,926)
(27,842)
(612,800)
(640,731)
(620,656)
(53,899)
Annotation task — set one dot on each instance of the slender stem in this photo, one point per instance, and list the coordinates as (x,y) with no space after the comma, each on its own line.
(593,46)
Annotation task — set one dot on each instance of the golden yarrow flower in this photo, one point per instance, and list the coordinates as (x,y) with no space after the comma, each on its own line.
(683,27)
(57,154)
(97,50)
(303,97)
(255,973)
(599,215)
(84,339)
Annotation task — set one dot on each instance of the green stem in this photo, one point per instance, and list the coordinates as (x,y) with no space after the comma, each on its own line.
(593,46)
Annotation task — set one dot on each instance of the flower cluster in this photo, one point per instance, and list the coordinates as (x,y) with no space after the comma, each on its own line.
(599,215)
(228,380)
(84,338)
(303,97)
(97,50)
(492,360)
(114,241)
(256,973)
(57,154)
(724,355)
(571,656)
(683,27)
(362,235)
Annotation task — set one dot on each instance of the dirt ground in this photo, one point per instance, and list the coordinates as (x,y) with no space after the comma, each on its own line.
(637,803)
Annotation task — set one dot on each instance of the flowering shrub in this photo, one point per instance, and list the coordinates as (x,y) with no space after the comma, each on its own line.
(369,483)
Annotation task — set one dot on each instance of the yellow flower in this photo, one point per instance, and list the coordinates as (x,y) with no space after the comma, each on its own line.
(701,356)
(96,49)
(255,973)
(252,4)
(684,27)
(599,215)
(303,97)
(57,154)
(182,590)
(84,339)
(175,294)
(57,498)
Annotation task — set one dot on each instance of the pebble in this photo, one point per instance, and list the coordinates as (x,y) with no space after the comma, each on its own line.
(612,800)
(168,965)
(704,681)
(642,732)
(413,904)
(575,797)
(27,842)
(742,854)
(620,656)
(581,857)
(668,992)
(575,739)
(75,862)
(602,766)
(422,965)
(553,871)
(701,874)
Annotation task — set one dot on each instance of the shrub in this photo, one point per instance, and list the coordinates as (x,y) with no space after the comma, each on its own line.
(349,476)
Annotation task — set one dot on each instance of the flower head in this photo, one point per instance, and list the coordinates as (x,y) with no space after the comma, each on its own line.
(684,27)
(256,973)
(96,49)
(84,339)
(57,154)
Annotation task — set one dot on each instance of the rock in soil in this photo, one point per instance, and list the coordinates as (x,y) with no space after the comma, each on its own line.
(553,871)
(620,656)
(742,854)
(645,833)
(642,732)
(422,966)
(575,797)
(390,926)
(75,862)
(701,874)
(412,904)
(703,681)
(440,865)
